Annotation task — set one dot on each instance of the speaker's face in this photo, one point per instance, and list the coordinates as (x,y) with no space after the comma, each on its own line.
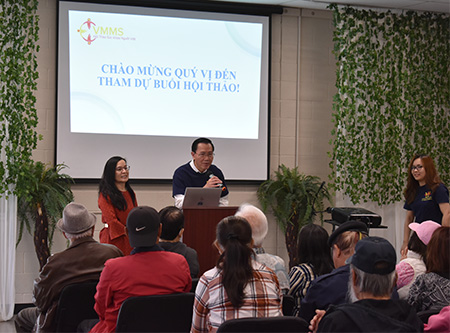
(203,157)
(122,172)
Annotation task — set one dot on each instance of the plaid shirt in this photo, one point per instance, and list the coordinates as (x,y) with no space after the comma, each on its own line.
(262,298)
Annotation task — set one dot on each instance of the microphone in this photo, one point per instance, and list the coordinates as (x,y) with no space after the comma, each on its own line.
(210,175)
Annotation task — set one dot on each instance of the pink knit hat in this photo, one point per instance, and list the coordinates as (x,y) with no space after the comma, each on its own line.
(424,230)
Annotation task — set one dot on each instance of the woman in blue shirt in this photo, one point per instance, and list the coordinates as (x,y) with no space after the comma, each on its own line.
(426,197)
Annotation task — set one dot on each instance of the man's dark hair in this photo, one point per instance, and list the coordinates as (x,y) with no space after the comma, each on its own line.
(172,220)
(201,140)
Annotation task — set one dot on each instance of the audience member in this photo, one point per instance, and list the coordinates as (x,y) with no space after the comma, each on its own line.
(258,222)
(238,286)
(332,288)
(116,199)
(413,264)
(314,259)
(149,270)
(81,262)
(372,280)
(431,291)
(172,221)
(199,172)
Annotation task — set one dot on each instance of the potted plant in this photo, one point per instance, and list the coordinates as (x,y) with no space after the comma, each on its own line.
(294,199)
(44,192)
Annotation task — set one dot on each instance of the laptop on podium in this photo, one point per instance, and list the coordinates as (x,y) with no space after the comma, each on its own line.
(196,197)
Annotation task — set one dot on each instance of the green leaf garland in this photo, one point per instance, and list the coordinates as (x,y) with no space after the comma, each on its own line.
(18,75)
(393,100)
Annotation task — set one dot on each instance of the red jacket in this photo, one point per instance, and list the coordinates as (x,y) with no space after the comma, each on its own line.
(116,220)
(146,273)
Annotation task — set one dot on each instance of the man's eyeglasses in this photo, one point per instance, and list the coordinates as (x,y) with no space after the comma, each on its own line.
(416,167)
(120,169)
(202,155)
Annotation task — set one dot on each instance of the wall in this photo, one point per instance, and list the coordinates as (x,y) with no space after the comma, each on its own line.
(301,97)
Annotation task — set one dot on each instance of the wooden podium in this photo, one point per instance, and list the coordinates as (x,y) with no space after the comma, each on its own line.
(200,232)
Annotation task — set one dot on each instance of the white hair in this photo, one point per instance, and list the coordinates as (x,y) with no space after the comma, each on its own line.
(83,234)
(257,220)
(374,284)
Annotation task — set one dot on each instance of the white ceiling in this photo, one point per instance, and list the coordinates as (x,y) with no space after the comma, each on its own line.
(441,6)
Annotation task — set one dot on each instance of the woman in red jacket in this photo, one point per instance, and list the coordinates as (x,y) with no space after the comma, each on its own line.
(116,199)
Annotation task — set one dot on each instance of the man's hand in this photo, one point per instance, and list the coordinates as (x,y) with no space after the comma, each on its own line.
(214,181)
(314,323)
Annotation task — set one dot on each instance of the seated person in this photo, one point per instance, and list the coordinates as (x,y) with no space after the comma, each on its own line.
(238,287)
(332,288)
(314,259)
(149,270)
(371,283)
(199,172)
(431,291)
(258,221)
(82,261)
(172,221)
(413,264)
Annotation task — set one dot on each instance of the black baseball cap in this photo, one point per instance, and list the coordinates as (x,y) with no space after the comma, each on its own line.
(143,226)
(374,255)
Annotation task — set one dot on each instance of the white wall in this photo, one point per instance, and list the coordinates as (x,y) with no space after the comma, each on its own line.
(303,74)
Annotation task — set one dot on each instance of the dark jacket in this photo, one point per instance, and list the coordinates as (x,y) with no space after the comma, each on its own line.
(83,261)
(325,290)
(187,252)
(370,315)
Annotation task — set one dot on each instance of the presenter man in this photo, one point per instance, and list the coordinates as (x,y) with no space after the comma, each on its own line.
(199,172)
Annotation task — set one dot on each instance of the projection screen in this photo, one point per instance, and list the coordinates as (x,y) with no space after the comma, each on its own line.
(143,83)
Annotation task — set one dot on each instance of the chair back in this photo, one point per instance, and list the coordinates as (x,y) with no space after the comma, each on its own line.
(76,303)
(288,305)
(156,313)
(194,284)
(270,324)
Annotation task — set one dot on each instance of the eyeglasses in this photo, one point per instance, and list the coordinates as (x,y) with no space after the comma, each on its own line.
(120,169)
(416,167)
(203,155)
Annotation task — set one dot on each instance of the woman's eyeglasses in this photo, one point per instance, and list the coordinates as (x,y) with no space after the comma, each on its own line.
(120,169)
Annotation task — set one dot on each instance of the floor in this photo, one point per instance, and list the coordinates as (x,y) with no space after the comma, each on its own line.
(7,326)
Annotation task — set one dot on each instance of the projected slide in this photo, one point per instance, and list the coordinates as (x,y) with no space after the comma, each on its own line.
(164,76)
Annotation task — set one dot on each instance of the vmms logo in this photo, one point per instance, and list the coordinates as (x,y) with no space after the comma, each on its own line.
(89,31)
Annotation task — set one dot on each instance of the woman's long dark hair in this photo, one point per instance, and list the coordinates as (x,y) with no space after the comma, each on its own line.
(431,177)
(416,245)
(108,188)
(438,252)
(234,235)
(313,249)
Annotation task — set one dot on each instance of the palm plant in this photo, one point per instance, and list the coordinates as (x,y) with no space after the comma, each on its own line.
(294,199)
(43,192)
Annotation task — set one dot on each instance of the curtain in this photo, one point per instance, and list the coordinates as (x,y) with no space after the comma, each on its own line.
(8,222)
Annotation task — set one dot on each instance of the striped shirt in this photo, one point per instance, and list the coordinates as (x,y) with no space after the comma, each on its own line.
(262,298)
(300,278)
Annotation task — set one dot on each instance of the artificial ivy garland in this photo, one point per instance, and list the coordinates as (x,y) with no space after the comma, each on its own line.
(18,73)
(393,100)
